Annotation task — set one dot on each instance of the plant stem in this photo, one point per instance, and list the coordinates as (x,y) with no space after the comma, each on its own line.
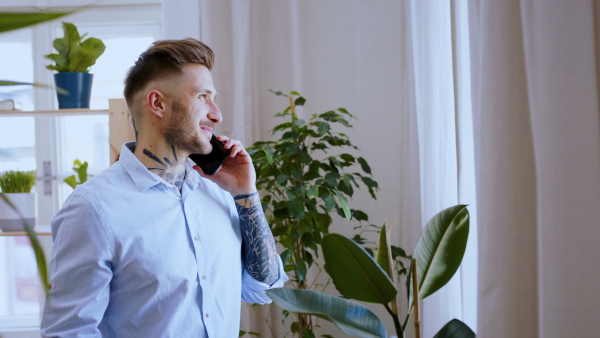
(416,298)
(399,330)
(406,319)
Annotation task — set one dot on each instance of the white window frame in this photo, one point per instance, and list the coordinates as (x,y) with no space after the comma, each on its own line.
(140,17)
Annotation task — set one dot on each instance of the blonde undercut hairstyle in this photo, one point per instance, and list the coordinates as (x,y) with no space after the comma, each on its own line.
(165,58)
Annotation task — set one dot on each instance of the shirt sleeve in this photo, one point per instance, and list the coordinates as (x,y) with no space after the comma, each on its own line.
(80,270)
(253,291)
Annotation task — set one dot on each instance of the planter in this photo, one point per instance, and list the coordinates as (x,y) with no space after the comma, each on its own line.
(25,203)
(79,87)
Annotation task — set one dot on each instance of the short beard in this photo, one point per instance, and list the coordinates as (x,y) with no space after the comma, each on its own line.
(179,132)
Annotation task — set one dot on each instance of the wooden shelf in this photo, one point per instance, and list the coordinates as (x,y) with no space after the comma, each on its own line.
(52,113)
(40,230)
(119,123)
(21,233)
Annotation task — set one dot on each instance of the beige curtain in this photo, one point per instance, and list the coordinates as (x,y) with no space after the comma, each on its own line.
(537,150)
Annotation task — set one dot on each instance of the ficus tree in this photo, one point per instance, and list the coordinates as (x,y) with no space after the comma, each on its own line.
(306,175)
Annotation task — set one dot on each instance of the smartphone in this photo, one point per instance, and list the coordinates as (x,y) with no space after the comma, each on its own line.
(212,161)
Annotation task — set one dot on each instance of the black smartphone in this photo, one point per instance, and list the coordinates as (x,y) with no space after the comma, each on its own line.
(212,161)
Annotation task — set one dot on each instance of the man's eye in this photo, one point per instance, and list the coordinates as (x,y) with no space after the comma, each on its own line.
(203,97)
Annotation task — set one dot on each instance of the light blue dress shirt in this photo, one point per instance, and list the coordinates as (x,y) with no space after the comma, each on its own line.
(134,257)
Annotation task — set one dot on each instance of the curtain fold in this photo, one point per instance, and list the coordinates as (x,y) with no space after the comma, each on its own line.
(537,146)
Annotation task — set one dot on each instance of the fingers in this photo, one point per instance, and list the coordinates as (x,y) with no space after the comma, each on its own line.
(235,146)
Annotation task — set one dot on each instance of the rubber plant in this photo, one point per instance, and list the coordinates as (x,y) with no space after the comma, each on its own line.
(358,275)
(305,175)
(10,21)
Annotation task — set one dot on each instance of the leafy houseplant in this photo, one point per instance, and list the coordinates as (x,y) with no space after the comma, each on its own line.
(73,60)
(17,185)
(81,170)
(303,180)
(357,275)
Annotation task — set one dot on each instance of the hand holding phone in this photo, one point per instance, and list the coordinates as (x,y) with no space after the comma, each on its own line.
(212,161)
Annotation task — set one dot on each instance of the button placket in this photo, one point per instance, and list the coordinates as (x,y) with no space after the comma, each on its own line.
(197,243)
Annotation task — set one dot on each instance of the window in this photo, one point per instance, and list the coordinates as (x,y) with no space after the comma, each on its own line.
(127,29)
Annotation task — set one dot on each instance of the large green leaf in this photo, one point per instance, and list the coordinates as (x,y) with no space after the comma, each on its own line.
(37,247)
(85,55)
(384,252)
(352,318)
(455,329)
(354,272)
(441,248)
(14,20)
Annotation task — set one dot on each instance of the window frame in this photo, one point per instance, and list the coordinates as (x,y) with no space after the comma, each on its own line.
(139,17)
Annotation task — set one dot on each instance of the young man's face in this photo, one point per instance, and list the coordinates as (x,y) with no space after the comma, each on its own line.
(193,111)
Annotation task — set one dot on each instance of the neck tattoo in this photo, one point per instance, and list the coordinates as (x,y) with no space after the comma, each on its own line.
(169,169)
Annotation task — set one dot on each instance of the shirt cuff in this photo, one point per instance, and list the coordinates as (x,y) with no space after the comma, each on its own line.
(254,291)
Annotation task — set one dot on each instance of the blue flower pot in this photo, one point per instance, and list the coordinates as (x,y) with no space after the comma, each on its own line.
(79,87)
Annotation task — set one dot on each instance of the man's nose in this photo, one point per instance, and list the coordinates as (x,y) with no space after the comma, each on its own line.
(215,114)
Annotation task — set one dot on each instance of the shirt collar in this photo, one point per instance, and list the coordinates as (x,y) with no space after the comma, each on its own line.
(145,179)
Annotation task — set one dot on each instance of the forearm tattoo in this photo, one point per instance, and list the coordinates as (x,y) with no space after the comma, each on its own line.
(259,252)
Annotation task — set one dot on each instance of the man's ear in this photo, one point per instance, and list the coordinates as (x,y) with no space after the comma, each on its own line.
(156,102)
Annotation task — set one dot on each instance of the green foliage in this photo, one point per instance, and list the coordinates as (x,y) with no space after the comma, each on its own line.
(440,249)
(455,329)
(439,253)
(359,278)
(74,53)
(307,174)
(14,20)
(352,318)
(82,175)
(17,181)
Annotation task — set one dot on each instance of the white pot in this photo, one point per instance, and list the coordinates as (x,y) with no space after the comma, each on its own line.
(27,206)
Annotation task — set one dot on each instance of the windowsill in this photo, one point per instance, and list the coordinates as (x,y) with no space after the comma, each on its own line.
(19,323)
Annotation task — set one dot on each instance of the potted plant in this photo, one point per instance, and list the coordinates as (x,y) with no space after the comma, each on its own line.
(358,275)
(16,186)
(307,174)
(72,62)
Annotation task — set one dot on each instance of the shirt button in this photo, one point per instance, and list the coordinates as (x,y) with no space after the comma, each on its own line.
(203,277)
(195,238)
(207,315)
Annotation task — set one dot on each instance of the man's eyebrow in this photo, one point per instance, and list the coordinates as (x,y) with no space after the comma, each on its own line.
(208,91)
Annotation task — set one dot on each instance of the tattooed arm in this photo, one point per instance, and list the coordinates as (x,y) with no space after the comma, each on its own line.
(259,252)
(237,176)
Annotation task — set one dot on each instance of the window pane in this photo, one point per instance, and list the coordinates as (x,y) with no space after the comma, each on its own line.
(86,140)
(20,289)
(17,143)
(112,66)
(20,68)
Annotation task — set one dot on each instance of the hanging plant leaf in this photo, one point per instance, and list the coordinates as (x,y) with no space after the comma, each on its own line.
(14,20)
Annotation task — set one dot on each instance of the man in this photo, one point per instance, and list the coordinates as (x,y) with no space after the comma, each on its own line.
(153,247)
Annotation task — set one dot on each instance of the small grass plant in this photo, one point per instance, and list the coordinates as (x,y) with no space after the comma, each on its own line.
(12,182)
